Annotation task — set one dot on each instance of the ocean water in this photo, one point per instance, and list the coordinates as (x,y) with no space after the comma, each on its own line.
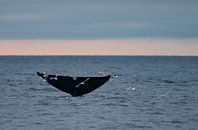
(146,93)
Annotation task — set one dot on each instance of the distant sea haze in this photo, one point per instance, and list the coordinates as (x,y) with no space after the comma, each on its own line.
(176,47)
(99,27)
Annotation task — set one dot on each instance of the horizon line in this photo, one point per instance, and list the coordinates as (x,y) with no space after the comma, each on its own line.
(124,47)
(99,55)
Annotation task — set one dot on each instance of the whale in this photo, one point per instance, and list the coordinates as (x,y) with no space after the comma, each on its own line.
(75,86)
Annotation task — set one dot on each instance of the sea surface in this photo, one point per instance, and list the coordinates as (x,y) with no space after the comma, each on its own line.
(145,93)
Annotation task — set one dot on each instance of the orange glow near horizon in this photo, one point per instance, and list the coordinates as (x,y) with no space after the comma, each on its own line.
(99,47)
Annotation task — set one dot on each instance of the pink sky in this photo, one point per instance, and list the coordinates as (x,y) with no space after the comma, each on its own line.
(100,47)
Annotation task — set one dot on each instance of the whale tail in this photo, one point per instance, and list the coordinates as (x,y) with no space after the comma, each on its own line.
(76,86)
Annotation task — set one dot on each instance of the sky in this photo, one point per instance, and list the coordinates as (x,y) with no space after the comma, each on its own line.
(119,26)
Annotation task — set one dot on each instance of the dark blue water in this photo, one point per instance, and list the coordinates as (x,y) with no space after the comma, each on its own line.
(147,93)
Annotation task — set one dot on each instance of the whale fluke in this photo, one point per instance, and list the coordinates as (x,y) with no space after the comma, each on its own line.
(75,86)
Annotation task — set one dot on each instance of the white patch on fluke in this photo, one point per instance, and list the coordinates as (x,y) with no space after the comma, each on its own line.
(82,83)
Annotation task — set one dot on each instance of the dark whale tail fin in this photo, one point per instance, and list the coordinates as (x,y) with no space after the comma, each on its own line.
(40,74)
(76,86)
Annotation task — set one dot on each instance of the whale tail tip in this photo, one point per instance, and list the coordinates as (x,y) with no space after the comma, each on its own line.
(39,74)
